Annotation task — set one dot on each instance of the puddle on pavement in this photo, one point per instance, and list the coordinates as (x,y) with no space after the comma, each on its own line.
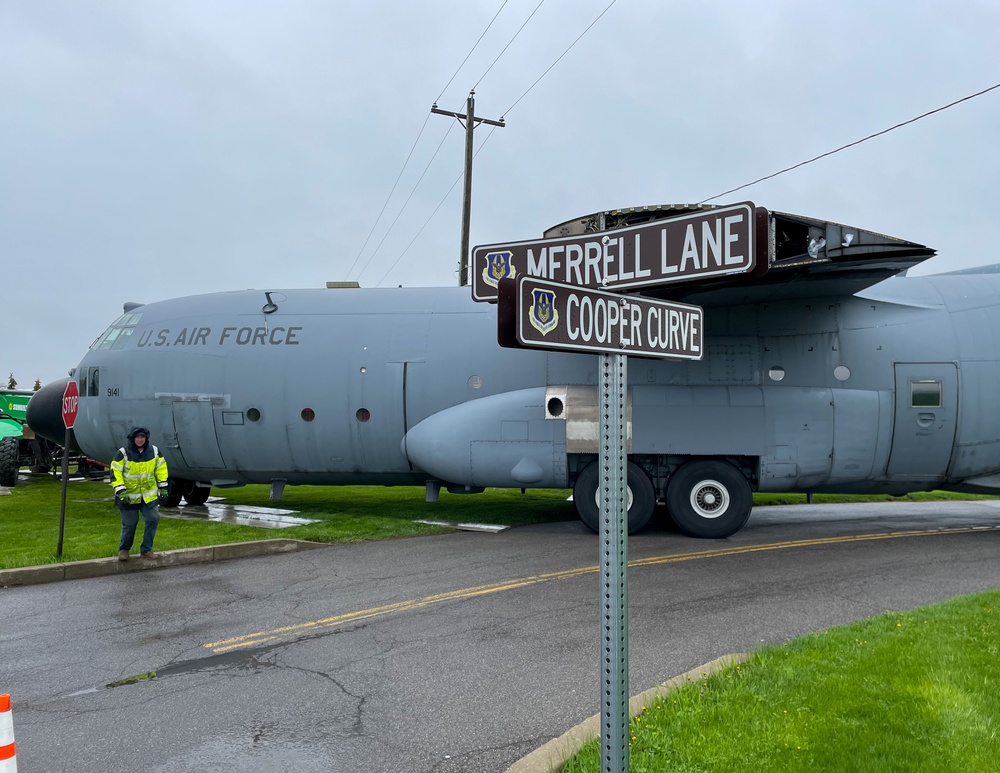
(244,515)
(489,528)
(213,510)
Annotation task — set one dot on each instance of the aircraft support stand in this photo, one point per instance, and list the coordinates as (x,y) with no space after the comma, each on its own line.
(612,390)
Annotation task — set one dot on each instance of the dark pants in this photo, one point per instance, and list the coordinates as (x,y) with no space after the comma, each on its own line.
(130,519)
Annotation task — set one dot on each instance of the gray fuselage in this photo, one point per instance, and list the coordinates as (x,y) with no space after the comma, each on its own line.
(892,390)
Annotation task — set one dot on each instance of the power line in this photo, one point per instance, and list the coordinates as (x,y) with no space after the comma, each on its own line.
(470,52)
(405,203)
(537,80)
(852,144)
(508,45)
(426,223)
(560,57)
(409,156)
(387,199)
(431,216)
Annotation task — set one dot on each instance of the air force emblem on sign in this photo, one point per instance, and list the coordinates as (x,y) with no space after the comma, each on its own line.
(543,315)
(498,266)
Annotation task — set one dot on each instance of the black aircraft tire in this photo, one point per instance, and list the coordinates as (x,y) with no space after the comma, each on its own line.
(176,488)
(197,495)
(709,499)
(8,461)
(641,497)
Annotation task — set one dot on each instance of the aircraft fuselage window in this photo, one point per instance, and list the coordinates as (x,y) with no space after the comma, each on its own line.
(841,373)
(925,394)
(308,414)
(776,373)
(253,414)
(363,414)
(90,382)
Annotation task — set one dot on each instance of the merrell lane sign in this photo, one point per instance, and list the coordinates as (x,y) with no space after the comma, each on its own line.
(537,313)
(715,243)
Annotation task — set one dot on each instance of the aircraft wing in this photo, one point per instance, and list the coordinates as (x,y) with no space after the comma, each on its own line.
(807,257)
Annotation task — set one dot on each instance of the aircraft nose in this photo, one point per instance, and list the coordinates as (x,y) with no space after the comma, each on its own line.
(44,413)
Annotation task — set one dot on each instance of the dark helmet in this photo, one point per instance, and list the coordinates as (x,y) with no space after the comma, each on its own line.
(138,431)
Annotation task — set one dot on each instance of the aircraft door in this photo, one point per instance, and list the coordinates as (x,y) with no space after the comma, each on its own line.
(926,412)
(194,428)
(379,421)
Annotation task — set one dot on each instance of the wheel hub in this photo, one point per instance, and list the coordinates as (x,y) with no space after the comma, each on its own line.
(710,499)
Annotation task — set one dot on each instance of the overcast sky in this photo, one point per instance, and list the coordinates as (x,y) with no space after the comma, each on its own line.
(155,149)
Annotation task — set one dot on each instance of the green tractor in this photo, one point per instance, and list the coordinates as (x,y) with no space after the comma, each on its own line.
(19,446)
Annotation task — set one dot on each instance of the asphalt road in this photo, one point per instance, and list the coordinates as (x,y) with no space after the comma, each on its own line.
(460,652)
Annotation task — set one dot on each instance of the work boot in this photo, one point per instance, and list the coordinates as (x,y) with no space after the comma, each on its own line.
(150,556)
(123,555)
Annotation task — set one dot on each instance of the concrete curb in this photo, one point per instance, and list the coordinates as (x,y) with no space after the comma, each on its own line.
(552,756)
(102,567)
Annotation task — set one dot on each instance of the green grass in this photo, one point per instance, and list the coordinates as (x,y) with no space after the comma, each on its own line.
(820,499)
(29,518)
(905,691)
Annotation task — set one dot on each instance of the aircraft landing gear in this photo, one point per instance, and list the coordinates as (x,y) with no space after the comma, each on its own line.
(197,495)
(709,499)
(641,497)
(192,493)
(175,490)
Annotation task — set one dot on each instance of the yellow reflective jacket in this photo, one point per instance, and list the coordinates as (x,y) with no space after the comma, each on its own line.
(136,476)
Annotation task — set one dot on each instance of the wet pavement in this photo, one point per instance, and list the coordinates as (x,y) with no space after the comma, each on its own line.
(217,509)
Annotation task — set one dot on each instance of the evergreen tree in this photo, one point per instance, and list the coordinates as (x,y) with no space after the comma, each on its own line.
(11,382)
(37,386)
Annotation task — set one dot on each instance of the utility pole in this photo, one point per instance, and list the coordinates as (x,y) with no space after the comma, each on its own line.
(469,120)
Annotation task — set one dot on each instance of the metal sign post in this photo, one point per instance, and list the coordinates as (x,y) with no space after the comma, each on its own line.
(538,312)
(62,501)
(612,388)
(70,409)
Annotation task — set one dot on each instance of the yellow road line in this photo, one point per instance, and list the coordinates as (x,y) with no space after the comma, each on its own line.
(263,637)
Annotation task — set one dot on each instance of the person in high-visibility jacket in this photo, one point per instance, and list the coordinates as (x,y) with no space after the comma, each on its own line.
(139,477)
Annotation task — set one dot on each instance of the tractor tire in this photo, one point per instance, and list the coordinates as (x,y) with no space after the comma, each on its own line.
(8,461)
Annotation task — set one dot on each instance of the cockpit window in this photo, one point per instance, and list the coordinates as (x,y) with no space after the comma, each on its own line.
(116,336)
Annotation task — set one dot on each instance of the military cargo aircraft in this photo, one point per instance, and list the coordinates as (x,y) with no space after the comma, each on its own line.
(825,374)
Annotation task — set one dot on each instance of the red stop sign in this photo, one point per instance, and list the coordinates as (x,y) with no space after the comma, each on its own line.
(70,404)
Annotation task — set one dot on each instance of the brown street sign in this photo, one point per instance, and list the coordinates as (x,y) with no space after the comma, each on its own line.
(540,314)
(714,243)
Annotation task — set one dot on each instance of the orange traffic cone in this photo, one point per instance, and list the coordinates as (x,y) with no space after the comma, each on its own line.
(8,756)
